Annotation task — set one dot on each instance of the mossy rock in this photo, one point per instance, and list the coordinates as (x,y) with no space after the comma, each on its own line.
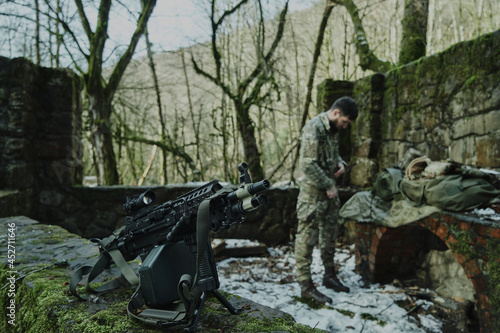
(40,301)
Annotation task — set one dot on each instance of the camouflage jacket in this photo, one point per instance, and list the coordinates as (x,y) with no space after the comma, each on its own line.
(319,154)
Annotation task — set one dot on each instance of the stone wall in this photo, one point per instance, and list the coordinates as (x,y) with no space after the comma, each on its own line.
(446,106)
(46,258)
(40,127)
(98,211)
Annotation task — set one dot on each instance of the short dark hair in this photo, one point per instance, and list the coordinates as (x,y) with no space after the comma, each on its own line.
(347,107)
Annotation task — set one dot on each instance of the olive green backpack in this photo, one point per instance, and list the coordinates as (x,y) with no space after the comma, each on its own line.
(451,192)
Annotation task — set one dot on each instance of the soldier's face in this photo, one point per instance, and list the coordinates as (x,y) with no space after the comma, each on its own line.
(341,122)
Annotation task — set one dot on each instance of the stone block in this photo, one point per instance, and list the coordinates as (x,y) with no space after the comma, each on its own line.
(363,148)
(488,151)
(463,150)
(492,120)
(415,136)
(330,90)
(363,172)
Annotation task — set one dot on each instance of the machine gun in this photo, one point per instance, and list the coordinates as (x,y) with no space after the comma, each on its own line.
(173,220)
(172,240)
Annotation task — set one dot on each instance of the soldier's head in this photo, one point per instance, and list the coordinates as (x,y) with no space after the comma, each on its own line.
(343,111)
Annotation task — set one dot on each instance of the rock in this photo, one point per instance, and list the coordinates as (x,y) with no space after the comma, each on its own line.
(35,282)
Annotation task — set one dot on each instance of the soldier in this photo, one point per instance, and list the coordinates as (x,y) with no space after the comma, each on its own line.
(318,203)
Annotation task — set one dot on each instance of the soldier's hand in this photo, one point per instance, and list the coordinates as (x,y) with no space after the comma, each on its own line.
(340,171)
(332,192)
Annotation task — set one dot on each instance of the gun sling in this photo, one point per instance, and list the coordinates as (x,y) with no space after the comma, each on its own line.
(98,268)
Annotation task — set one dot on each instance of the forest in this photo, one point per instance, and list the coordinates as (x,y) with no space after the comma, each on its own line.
(154,115)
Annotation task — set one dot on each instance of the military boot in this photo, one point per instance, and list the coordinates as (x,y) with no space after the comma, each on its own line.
(308,290)
(331,281)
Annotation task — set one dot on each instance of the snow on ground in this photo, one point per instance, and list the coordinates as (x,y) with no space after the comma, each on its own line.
(367,309)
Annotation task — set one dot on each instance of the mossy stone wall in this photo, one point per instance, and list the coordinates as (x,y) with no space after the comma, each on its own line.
(40,126)
(446,106)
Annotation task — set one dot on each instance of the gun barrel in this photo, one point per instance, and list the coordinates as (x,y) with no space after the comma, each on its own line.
(261,200)
(259,186)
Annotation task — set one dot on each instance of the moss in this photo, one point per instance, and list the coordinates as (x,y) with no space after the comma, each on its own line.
(214,320)
(251,324)
(464,246)
(367,316)
(470,81)
(493,271)
(472,250)
(49,240)
(44,305)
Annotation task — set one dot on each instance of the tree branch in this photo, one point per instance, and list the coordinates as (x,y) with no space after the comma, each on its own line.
(122,64)
(174,150)
(367,59)
(217,82)
(83,18)
(263,62)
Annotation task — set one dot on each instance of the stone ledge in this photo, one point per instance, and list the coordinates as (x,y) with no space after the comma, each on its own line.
(42,302)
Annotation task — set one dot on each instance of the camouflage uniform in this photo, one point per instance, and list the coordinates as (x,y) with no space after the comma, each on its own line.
(317,214)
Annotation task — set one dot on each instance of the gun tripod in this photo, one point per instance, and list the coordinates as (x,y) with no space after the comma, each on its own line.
(220,298)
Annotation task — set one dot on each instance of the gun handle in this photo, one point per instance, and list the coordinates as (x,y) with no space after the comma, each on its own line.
(208,278)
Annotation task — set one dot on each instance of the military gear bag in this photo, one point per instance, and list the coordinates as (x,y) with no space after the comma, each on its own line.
(386,185)
(451,192)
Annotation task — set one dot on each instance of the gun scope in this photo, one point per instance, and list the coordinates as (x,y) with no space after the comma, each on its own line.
(134,204)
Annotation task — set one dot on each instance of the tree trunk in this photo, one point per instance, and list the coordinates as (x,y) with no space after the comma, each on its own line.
(414,38)
(102,139)
(37,32)
(163,131)
(250,147)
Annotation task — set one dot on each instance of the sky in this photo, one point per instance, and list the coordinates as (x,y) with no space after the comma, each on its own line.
(175,24)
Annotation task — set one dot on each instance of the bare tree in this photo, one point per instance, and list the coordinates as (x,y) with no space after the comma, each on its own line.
(249,91)
(413,41)
(163,131)
(195,122)
(99,93)
(367,58)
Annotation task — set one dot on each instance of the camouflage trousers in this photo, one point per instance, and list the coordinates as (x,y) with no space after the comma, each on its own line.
(317,225)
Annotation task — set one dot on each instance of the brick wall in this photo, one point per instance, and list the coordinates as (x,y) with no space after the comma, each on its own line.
(383,254)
